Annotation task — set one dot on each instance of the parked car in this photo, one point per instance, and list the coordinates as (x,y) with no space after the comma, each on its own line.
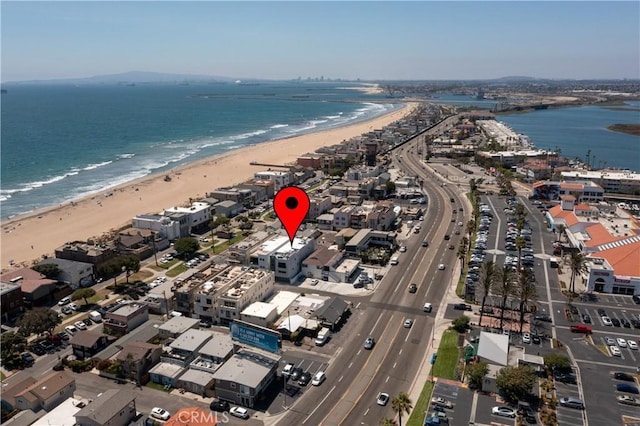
(615,351)
(74,307)
(615,322)
(628,388)
(618,375)
(239,412)
(504,411)
(628,400)
(382,399)
(305,378)
(441,401)
(219,406)
(38,349)
(462,307)
(296,373)
(632,345)
(607,321)
(621,342)
(160,413)
(71,329)
(80,325)
(572,403)
(62,335)
(64,301)
(28,359)
(526,338)
(535,339)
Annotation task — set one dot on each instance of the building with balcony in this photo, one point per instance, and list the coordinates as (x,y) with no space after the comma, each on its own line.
(246,376)
(198,215)
(166,227)
(87,343)
(252,285)
(137,358)
(11,304)
(612,181)
(279,178)
(87,252)
(282,257)
(125,318)
(75,274)
(184,349)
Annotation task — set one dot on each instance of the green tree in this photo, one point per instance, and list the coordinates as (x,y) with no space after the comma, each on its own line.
(556,360)
(505,286)
(391,187)
(38,321)
(186,247)
(83,293)
(129,264)
(11,343)
(526,293)
(49,270)
(578,266)
(487,280)
(246,226)
(560,229)
(401,404)
(476,373)
(386,421)
(220,221)
(460,324)
(515,383)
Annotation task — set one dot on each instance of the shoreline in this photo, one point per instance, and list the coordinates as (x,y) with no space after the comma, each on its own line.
(29,236)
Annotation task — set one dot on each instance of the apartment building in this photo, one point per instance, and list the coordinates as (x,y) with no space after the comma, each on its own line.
(282,257)
(253,285)
(280,178)
(197,216)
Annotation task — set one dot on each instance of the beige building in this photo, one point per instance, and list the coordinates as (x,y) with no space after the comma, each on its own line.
(46,393)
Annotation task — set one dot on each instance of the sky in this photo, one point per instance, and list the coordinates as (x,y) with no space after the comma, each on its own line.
(348,40)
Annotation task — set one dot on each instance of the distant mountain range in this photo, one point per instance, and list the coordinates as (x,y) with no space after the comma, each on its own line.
(132,77)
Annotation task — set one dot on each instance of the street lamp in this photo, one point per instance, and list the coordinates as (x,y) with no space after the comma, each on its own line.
(284,389)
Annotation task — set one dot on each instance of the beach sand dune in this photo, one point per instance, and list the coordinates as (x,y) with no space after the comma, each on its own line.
(31,236)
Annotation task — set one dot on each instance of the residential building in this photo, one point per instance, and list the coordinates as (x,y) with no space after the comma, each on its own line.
(282,257)
(330,265)
(239,252)
(74,273)
(34,286)
(87,343)
(251,286)
(245,376)
(186,294)
(166,373)
(198,215)
(11,303)
(137,358)
(184,349)
(176,326)
(214,352)
(332,312)
(244,197)
(125,318)
(318,206)
(198,382)
(112,407)
(342,217)
(311,161)
(10,392)
(62,415)
(259,313)
(227,208)
(87,252)
(325,221)
(46,393)
(207,293)
(166,227)
(280,178)
(612,181)
(262,189)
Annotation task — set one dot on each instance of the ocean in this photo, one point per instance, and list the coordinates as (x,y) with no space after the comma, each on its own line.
(573,130)
(62,142)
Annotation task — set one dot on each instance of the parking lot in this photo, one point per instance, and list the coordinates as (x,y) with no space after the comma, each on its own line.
(460,400)
(565,415)
(306,362)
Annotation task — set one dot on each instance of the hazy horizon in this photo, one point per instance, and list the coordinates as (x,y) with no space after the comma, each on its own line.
(334,40)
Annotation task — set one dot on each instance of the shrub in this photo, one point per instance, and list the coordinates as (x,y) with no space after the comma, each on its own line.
(460,324)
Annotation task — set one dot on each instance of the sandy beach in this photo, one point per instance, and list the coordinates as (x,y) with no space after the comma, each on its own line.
(29,237)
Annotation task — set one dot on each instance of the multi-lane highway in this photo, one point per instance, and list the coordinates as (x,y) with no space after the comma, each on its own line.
(356,375)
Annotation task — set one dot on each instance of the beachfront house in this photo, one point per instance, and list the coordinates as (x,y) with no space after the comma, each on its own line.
(164,226)
(282,257)
(227,208)
(36,289)
(280,178)
(76,274)
(194,218)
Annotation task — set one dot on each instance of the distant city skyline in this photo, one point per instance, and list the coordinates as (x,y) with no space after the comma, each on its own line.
(334,40)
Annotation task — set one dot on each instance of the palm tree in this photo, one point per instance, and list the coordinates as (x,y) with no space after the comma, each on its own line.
(578,266)
(505,286)
(487,279)
(400,404)
(521,242)
(560,229)
(388,422)
(526,292)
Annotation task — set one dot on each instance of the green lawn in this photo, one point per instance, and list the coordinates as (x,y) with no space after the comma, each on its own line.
(100,295)
(448,355)
(155,386)
(174,272)
(2,376)
(421,406)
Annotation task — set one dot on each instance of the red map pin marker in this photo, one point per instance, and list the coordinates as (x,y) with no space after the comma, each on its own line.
(291,204)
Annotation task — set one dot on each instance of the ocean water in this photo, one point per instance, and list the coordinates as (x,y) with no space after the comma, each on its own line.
(64,142)
(573,130)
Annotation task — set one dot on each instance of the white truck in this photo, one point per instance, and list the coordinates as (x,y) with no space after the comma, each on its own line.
(323,336)
(95,316)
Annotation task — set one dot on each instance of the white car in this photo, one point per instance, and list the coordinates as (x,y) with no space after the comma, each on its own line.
(318,378)
(621,342)
(240,412)
(504,412)
(64,301)
(71,330)
(632,345)
(408,323)
(80,325)
(74,306)
(382,399)
(526,338)
(607,321)
(441,401)
(441,267)
(286,371)
(160,413)
(402,249)
(615,351)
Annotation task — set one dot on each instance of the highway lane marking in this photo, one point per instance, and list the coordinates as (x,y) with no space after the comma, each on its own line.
(340,379)
(394,364)
(387,381)
(366,412)
(358,353)
(400,353)
(319,405)
(358,305)
(351,365)
(376,324)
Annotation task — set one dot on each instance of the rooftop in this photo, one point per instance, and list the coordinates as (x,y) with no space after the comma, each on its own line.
(258,309)
(219,346)
(179,324)
(128,309)
(167,370)
(247,367)
(202,378)
(190,340)
(106,406)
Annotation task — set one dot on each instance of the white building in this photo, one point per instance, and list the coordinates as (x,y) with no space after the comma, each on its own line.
(280,178)
(342,217)
(165,226)
(260,313)
(199,214)
(252,285)
(282,257)
(620,181)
